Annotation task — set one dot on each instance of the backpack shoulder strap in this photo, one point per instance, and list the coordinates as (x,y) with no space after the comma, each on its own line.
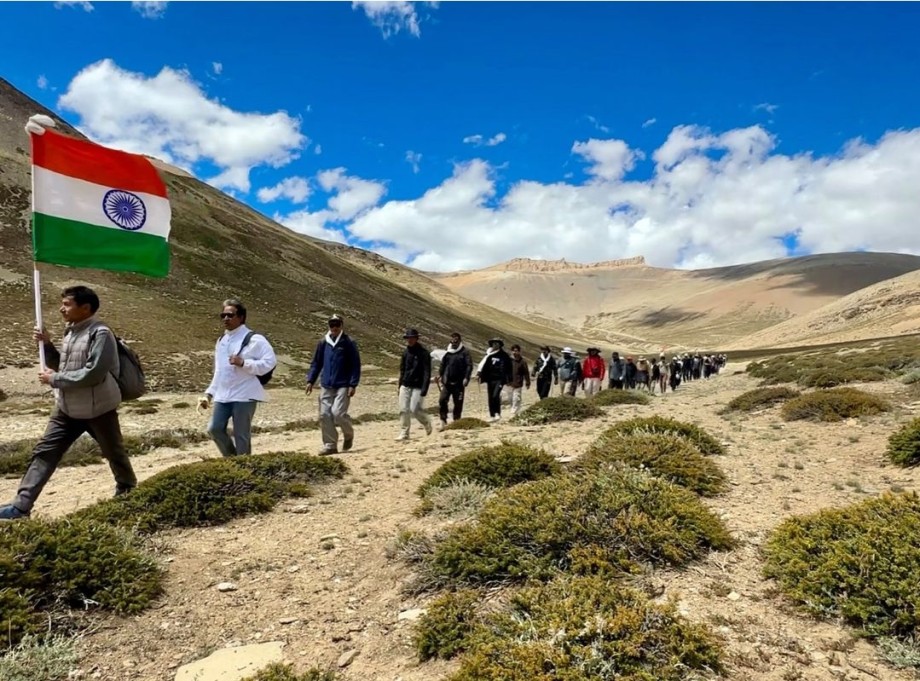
(246,339)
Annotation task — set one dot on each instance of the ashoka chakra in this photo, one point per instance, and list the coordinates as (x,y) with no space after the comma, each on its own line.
(124,209)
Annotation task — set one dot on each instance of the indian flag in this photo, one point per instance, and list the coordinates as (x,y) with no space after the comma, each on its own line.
(96,207)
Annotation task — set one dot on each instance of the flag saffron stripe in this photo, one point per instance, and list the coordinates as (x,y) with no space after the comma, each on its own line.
(94,163)
(77,244)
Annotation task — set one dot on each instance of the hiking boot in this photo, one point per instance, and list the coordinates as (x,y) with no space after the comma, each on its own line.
(347,444)
(10,512)
(326,451)
(442,425)
(428,427)
(121,491)
(402,437)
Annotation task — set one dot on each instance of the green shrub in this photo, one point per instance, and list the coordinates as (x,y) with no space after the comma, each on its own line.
(214,491)
(449,625)
(898,653)
(467,423)
(833,405)
(832,377)
(702,440)
(858,563)
(181,405)
(459,499)
(904,445)
(285,672)
(911,377)
(589,629)
(499,465)
(49,659)
(555,409)
(532,530)
(761,398)
(606,398)
(70,562)
(666,455)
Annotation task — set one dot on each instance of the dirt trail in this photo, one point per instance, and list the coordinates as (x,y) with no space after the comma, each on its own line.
(314,572)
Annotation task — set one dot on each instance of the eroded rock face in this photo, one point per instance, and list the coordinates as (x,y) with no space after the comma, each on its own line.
(232,664)
(563,265)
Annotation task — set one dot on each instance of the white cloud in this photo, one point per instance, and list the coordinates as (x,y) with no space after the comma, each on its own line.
(149,10)
(393,16)
(597,124)
(170,117)
(352,195)
(650,122)
(217,67)
(611,159)
(318,149)
(413,158)
(295,189)
(42,82)
(766,106)
(712,199)
(85,6)
(312,224)
(479,140)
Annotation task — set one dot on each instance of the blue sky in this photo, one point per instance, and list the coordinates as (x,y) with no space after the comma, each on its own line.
(456,135)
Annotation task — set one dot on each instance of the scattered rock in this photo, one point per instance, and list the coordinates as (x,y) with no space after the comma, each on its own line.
(347,658)
(302,508)
(411,615)
(232,664)
(329,537)
(566,459)
(224,587)
(288,620)
(734,596)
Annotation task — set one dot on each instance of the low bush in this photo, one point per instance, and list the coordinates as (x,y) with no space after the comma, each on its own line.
(285,672)
(2,395)
(495,466)
(833,405)
(904,445)
(702,440)
(858,563)
(72,563)
(911,377)
(50,659)
(181,405)
(214,491)
(555,409)
(666,455)
(761,398)
(606,398)
(459,499)
(534,529)
(449,625)
(589,629)
(467,423)
(834,376)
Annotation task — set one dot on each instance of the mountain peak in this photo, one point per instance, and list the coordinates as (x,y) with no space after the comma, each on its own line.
(563,265)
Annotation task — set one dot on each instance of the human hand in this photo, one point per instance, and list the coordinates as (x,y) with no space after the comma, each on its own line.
(309,388)
(351,392)
(236,361)
(204,402)
(44,376)
(466,382)
(41,335)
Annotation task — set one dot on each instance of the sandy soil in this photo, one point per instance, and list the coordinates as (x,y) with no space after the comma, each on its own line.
(323,602)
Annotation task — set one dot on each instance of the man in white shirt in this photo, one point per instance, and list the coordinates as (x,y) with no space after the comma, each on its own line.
(240,358)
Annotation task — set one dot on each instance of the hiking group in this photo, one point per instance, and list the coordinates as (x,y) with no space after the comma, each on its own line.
(94,371)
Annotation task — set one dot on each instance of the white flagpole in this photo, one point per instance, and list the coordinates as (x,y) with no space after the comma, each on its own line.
(36,125)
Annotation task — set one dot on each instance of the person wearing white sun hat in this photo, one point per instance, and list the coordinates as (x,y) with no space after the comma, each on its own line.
(570,376)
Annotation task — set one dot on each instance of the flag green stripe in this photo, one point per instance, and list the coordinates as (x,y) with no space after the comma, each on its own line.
(78,244)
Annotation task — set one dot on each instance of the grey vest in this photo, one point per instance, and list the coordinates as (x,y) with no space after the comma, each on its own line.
(89,401)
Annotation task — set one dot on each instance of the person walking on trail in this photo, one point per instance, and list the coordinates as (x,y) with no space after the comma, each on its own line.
(453,378)
(546,372)
(495,371)
(616,372)
(593,371)
(630,374)
(663,373)
(83,374)
(520,379)
(241,357)
(336,364)
(642,374)
(414,380)
(569,372)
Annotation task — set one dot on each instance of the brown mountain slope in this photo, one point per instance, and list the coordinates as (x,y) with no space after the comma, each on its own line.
(644,307)
(220,248)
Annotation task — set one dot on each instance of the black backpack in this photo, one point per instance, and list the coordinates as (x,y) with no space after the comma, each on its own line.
(267,376)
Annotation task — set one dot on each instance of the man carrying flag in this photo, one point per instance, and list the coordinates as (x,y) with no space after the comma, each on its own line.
(105,209)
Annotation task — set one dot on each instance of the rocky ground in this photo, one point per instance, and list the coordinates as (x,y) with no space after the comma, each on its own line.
(315,574)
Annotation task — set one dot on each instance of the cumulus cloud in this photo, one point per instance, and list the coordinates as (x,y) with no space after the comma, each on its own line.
(217,67)
(169,116)
(295,189)
(712,199)
(149,10)
(85,6)
(393,16)
(413,158)
(318,149)
(42,82)
(480,140)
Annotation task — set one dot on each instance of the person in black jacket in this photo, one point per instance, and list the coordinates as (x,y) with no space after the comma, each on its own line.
(414,379)
(495,371)
(453,377)
(545,371)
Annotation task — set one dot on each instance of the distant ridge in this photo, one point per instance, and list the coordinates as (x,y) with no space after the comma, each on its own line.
(563,265)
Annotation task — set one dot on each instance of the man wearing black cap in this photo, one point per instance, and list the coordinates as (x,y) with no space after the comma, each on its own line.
(337,364)
(495,371)
(414,379)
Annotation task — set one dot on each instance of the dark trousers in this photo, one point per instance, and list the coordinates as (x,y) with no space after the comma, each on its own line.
(615,384)
(495,397)
(450,391)
(62,431)
(544,386)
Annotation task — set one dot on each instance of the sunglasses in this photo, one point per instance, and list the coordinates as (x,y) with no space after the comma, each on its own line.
(227,315)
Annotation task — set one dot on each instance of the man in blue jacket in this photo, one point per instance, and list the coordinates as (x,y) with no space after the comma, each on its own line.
(337,364)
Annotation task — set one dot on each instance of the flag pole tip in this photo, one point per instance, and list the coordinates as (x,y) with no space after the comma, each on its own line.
(38,123)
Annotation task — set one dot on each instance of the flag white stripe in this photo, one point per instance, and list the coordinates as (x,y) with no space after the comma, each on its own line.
(66,197)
